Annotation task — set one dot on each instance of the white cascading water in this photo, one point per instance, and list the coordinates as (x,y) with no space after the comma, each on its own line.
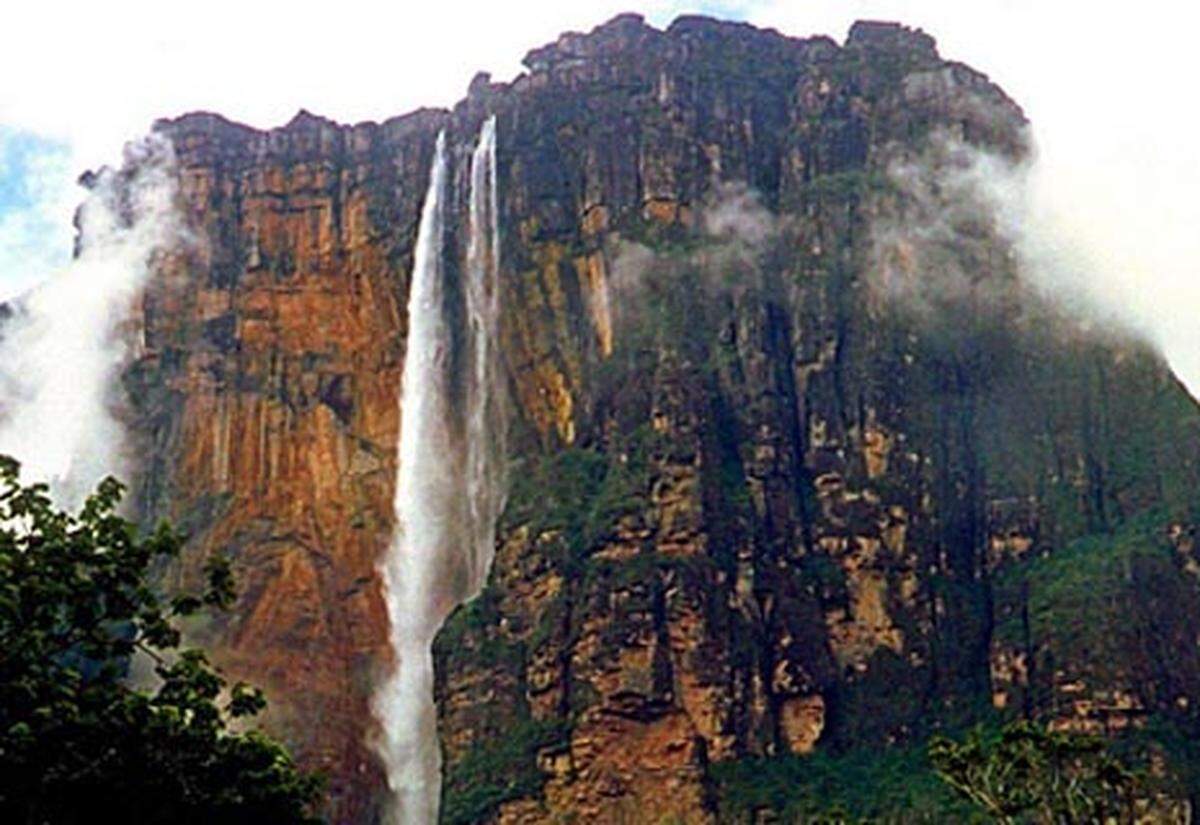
(424,526)
(62,349)
(485,431)
(449,484)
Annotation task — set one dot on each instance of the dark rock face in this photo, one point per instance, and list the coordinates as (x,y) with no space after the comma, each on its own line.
(760,503)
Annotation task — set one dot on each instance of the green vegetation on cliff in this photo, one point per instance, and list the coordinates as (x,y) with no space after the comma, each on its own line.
(1080,601)
(893,785)
(1016,773)
(497,772)
(1025,773)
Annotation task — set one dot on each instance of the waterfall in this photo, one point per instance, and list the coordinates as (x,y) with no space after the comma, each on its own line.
(62,345)
(449,483)
(423,505)
(486,447)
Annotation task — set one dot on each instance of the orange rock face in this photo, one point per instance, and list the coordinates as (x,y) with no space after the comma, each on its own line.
(274,341)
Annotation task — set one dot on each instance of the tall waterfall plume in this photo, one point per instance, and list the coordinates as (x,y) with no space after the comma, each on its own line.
(449,485)
(63,344)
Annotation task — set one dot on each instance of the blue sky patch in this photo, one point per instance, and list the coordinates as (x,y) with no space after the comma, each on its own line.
(24,157)
(37,194)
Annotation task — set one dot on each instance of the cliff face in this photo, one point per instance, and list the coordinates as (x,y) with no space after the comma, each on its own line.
(788,475)
(267,401)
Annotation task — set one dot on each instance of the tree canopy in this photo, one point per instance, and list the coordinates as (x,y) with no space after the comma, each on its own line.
(78,740)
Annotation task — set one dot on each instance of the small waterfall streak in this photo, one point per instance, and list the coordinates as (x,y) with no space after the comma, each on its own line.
(64,344)
(450,479)
(486,420)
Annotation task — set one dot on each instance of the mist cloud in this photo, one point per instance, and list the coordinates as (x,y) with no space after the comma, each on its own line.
(937,240)
(1108,202)
(732,229)
(63,346)
(967,230)
(736,216)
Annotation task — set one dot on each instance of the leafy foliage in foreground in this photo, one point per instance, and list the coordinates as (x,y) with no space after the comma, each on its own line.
(78,743)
